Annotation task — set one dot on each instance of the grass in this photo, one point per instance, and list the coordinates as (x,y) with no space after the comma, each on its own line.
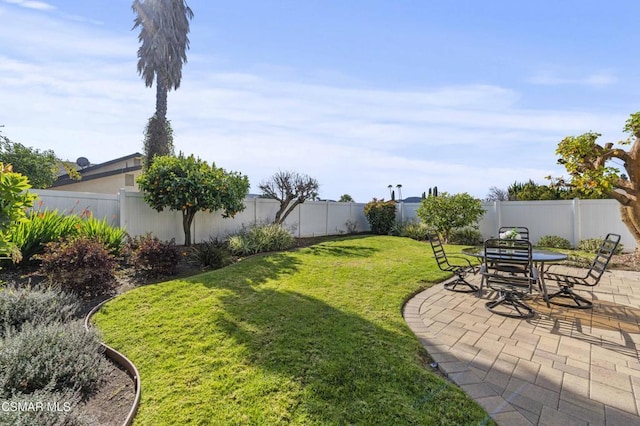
(313,336)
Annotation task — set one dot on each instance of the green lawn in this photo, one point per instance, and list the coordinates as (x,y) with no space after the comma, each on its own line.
(314,336)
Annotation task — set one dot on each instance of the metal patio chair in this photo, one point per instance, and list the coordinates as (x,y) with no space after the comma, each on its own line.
(461,267)
(523,232)
(501,257)
(591,278)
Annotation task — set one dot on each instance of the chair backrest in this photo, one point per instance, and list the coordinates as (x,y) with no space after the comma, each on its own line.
(523,232)
(602,259)
(502,257)
(438,250)
(500,253)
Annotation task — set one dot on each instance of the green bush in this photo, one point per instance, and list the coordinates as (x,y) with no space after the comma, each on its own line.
(467,236)
(112,237)
(45,226)
(56,356)
(381,215)
(213,253)
(410,229)
(260,238)
(591,245)
(153,257)
(21,305)
(79,265)
(554,241)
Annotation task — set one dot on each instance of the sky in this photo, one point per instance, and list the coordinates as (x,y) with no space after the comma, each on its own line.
(359,94)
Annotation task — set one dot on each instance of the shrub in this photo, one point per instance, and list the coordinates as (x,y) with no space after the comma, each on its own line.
(213,253)
(381,215)
(410,229)
(43,227)
(466,236)
(47,226)
(154,257)
(79,265)
(445,212)
(591,245)
(21,305)
(112,237)
(259,239)
(56,356)
(554,241)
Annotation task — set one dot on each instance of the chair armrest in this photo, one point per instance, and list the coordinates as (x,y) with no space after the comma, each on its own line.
(468,263)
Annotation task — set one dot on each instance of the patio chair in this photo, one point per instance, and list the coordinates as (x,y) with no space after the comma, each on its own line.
(591,278)
(505,255)
(523,232)
(461,267)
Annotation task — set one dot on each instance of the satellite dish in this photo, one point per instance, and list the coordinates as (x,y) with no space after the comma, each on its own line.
(82,162)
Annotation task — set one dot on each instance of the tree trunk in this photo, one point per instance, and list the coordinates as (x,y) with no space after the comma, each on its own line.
(187,220)
(161,97)
(631,218)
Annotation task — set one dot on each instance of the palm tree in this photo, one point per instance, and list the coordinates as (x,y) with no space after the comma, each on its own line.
(164,25)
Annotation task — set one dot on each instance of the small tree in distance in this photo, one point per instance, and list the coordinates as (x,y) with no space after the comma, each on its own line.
(290,189)
(189,184)
(445,212)
(346,198)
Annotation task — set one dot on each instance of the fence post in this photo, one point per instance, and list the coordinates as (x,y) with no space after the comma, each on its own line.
(122,206)
(326,220)
(577,221)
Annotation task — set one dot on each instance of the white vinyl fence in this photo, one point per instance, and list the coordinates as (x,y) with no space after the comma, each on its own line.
(574,220)
(128,209)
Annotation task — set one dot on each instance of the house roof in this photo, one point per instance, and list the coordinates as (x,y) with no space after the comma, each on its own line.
(92,172)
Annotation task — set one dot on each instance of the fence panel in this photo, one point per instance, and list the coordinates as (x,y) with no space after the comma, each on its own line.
(101,206)
(571,219)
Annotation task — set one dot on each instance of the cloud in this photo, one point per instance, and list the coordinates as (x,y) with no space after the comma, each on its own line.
(37,5)
(74,88)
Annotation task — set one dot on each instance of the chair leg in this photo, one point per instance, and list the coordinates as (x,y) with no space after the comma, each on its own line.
(515,307)
(579,302)
(453,285)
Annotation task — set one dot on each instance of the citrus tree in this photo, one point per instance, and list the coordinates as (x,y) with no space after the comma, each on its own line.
(595,169)
(189,184)
(14,200)
(446,212)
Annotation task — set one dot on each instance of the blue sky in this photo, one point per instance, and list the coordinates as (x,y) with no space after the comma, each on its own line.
(462,95)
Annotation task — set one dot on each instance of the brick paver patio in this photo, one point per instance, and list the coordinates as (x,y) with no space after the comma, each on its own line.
(562,367)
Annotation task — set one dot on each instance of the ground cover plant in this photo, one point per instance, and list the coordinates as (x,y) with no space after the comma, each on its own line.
(312,336)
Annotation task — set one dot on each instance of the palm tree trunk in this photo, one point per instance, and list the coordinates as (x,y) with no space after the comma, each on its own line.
(161,97)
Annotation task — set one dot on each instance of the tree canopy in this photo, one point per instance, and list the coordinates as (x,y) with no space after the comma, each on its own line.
(290,189)
(40,167)
(597,169)
(189,184)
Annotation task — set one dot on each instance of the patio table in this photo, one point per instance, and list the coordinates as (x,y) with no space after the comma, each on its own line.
(539,257)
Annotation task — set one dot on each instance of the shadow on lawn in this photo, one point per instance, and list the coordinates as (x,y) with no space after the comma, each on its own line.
(345,369)
(342,250)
